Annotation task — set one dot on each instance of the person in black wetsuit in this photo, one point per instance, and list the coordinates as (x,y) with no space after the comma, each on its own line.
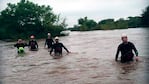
(20,45)
(126,48)
(49,41)
(33,45)
(57,47)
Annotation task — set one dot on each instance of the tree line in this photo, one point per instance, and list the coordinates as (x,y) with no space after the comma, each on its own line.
(26,18)
(85,24)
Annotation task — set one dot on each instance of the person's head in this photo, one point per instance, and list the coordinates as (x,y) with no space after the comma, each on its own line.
(20,41)
(49,35)
(32,37)
(124,38)
(56,39)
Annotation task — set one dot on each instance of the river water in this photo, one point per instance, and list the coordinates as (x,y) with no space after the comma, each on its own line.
(91,60)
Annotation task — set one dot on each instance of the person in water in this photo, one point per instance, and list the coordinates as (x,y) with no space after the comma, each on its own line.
(33,45)
(49,42)
(20,46)
(126,48)
(57,47)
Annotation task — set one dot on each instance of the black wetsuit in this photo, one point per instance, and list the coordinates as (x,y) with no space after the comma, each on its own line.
(18,45)
(49,42)
(126,52)
(33,44)
(57,47)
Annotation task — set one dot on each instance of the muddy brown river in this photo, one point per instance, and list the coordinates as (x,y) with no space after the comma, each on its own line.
(91,61)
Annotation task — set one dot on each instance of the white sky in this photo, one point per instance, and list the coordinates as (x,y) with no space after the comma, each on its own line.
(72,10)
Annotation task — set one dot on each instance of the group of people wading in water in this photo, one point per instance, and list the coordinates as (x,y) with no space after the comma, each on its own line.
(55,46)
(126,48)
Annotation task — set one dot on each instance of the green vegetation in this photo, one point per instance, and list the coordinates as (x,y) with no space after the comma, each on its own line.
(26,18)
(85,24)
(145,17)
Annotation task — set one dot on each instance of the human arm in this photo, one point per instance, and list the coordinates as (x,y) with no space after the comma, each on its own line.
(25,44)
(135,50)
(51,49)
(16,45)
(36,44)
(117,53)
(45,43)
(65,48)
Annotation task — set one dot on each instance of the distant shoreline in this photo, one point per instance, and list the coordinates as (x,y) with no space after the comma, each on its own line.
(13,40)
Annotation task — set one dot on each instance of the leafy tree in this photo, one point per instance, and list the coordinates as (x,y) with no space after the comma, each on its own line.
(107,24)
(26,18)
(86,24)
(145,17)
(106,21)
(121,23)
(134,22)
(91,24)
(81,21)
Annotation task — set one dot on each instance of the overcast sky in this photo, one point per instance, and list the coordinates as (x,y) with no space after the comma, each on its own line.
(93,9)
